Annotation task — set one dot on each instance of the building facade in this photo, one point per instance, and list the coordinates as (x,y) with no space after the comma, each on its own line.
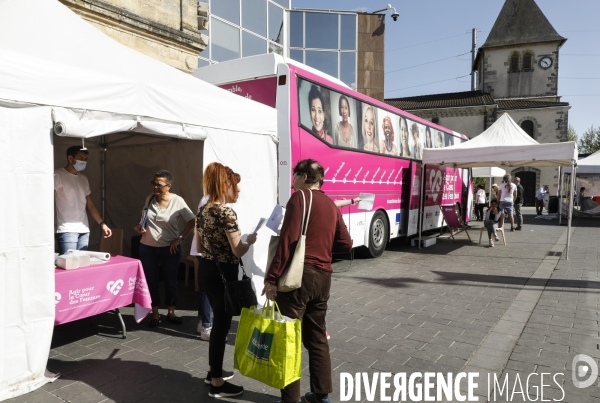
(517,70)
(164,30)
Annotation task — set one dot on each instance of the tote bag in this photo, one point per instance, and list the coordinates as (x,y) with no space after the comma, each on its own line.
(268,346)
(291,279)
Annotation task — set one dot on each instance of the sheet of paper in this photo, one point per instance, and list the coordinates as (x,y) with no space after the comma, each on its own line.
(261,223)
(366,201)
(275,220)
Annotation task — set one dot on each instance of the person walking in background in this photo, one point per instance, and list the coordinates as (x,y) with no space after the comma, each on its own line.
(220,240)
(494,194)
(71,200)
(480,200)
(519,203)
(161,240)
(506,196)
(539,199)
(494,218)
(326,234)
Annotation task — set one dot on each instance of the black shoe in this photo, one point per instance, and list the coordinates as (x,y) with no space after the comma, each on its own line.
(227,375)
(512,229)
(225,390)
(518,228)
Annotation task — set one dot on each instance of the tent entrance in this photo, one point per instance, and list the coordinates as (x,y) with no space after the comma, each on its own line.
(120,168)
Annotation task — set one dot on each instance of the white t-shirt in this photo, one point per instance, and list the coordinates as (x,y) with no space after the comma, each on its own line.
(162,226)
(506,192)
(480,196)
(69,201)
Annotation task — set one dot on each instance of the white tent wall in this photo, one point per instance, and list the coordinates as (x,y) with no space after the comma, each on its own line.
(26,248)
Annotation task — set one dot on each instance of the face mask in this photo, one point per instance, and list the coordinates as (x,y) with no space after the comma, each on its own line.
(79,165)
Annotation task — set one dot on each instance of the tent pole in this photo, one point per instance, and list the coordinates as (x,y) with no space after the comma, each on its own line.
(561,173)
(570,213)
(103,176)
(422,202)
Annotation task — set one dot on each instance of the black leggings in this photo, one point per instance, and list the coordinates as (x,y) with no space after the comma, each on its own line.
(212,285)
(479,210)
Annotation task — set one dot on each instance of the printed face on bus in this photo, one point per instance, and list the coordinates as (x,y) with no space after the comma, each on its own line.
(344,110)
(440,140)
(403,132)
(387,129)
(428,142)
(415,134)
(369,125)
(316,114)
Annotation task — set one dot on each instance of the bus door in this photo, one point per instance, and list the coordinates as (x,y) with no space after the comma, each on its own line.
(414,198)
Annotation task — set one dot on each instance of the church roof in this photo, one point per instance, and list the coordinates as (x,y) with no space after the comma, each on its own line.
(449,100)
(506,104)
(520,22)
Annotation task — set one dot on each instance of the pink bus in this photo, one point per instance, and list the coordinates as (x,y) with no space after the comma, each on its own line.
(365,146)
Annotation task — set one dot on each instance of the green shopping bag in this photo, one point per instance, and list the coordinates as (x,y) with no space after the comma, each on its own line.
(267,346)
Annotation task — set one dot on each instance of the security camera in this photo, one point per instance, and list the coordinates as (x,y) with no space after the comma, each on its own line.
(395,16)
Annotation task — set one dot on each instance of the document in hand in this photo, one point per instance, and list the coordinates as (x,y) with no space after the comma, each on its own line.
(366,201)
(275,220)
(144,218)
(261,223)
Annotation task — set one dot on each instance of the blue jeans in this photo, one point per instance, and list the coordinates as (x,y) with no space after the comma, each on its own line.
(71,240)
(153,258)
(205,310)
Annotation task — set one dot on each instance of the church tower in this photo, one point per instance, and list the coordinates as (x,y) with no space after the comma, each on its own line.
(520,57)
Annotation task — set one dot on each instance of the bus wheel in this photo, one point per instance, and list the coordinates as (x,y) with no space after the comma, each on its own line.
(378,234)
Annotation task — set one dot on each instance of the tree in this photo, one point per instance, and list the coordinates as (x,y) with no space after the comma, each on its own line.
(589,142)
(572,134)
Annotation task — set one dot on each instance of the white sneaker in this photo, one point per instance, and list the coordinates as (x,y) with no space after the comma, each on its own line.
(497,239)
(199,328)
(491,243)
(205,334)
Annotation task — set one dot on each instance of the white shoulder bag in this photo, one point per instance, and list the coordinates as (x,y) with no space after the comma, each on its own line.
(292,277)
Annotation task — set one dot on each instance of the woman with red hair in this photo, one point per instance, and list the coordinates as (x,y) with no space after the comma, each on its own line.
(219,239)
(387,144)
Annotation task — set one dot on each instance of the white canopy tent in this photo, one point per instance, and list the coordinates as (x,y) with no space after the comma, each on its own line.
(488,172)
(58,73)
(505,144)
(589,166)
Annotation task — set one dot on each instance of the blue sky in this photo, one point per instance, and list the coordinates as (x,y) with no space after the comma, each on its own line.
(429,30)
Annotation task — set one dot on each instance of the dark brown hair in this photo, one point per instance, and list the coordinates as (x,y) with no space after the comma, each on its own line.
(313,170)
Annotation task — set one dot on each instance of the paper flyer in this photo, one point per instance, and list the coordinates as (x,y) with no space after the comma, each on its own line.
(366,201)
(275,220)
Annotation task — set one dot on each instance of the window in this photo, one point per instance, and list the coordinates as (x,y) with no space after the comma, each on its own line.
(275,23)
(321,30)
(327,62)
(225,41)
(252,45)
(226,9)
(514,62)
(348,32)
(296,29)
(348,68)
(297,55)
(527,126)
(527,61)
(254,16)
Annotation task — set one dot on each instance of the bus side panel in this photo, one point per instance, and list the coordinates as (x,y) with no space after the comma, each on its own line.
(349,173)
(443,186)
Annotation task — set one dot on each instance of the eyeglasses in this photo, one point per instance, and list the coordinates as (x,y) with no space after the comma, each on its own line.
(158,185)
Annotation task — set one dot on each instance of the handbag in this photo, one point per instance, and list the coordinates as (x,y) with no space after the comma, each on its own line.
(292,277)
(268,346)
(238,294)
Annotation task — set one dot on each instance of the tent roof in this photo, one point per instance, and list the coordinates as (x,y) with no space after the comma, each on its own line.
(51,56)
(488,171)
(502,144)
(590,165)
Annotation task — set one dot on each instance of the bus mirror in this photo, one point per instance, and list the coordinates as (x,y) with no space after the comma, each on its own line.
(282,80)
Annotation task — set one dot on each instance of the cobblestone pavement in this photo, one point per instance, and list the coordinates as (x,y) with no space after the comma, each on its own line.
(456,306)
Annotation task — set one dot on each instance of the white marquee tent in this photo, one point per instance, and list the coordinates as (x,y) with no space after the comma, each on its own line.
(590,165)
(59,72)
(505,144)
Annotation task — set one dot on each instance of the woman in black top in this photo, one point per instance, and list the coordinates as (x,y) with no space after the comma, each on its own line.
(493,219)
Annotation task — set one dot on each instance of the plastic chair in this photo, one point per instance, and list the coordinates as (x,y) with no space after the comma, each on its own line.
(114,244)
(189,261)
(501,229)
(454,220)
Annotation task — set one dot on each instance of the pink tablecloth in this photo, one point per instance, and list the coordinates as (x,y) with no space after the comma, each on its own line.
(88,291)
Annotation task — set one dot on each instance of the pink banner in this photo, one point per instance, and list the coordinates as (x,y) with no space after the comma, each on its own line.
(263,90)
(92,290)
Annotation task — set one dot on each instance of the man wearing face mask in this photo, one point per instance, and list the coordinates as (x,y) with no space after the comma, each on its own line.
(72,199)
